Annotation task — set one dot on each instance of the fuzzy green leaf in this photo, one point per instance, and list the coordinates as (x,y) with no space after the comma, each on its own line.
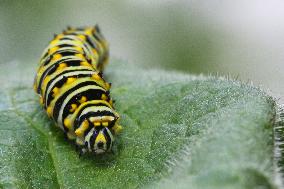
(180,131)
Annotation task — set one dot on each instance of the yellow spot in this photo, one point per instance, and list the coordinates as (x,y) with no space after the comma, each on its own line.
(96,76)
(80,49)
(107,118)
(67,123)
(89,32)
(84,126)
(61,66)
(83,99)
(105,124)
(56,57)
(110,102)
(82,37)
(104,97)
(53,50)
(95,119)
(41,100)
(73,107)
(55,91)
(108,86)
(117,129)
(70,80)
(80,56)
(79,132)
(96,124)
(59,36)
(100,138)
(85,64)
(46,80)
(55,41)
(49,111)
(95,52)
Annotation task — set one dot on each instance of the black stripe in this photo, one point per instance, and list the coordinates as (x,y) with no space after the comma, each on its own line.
(91,94)
(65,45)
(93,138)
(76,35)
(99,37)
(108,139)
(92,44)
(66,52)
(62,52)
(47,60)
(64,72)
(60,100)
(65,38)
(60,83)
(77,122)
(89,42)
(102,60)
(81,118)
(50,70)
(60,46)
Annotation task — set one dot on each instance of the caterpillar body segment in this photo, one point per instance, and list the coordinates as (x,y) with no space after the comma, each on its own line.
(72,89)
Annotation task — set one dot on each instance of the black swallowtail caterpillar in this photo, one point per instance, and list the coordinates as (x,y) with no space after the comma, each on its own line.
(73,91)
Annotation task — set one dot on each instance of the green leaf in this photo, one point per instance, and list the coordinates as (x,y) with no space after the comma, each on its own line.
(180,131)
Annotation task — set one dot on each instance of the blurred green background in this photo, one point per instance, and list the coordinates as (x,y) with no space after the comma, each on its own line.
(243,39)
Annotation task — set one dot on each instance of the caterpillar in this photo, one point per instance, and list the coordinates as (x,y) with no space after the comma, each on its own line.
(72,90)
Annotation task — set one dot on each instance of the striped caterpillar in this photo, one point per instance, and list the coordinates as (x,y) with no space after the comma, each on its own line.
(73,91)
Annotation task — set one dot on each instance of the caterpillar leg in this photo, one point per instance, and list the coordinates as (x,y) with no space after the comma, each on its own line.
(81,150)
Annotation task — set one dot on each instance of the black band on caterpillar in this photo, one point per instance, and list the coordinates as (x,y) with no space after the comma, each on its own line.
(73,91)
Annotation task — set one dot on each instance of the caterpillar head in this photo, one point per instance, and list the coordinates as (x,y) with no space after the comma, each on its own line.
(99,141)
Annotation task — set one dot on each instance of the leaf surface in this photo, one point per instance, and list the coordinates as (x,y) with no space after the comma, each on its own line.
(180,131)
